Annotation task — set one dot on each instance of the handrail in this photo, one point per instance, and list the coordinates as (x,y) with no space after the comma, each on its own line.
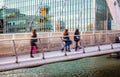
(56,36)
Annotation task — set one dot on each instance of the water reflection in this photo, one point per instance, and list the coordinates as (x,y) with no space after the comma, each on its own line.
(88,67)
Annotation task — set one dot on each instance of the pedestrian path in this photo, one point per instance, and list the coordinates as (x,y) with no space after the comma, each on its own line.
(8,63)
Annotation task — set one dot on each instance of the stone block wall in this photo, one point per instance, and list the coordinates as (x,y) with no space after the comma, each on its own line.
(50,41)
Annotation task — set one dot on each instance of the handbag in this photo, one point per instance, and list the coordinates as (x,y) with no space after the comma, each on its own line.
(34,49)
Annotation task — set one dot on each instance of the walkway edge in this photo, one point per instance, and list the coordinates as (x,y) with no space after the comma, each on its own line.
(39,62)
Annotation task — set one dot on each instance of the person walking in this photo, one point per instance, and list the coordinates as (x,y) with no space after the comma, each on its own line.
(66,40)
(76,38)
(33,42)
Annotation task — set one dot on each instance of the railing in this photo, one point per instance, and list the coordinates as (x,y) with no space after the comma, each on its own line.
(57,40)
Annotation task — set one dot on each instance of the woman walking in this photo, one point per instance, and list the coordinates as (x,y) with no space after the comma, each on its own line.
(33,42)
(76,38)
(66,40)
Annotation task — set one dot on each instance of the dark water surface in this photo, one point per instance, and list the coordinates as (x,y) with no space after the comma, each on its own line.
(102,66)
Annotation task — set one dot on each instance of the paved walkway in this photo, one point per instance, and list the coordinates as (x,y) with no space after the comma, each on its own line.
(8,63)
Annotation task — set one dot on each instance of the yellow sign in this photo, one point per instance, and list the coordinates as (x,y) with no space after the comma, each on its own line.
(90,26)
(11,15)
(43,12)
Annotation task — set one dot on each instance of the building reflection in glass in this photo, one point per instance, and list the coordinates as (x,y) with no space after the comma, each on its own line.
(54,15)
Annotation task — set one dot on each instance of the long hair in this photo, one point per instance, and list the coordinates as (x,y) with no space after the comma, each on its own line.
(34,32)
(65,32)
(77,31)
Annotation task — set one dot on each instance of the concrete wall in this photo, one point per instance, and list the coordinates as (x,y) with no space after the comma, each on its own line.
(50,41)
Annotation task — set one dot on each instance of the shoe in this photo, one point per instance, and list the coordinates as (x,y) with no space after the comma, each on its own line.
(62,49)
(32,56)
(69,51)
(76,48)
(79,47)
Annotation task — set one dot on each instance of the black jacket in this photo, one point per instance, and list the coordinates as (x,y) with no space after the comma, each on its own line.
(76,37)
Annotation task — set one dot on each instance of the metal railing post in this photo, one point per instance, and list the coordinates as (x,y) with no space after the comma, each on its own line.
(14,47)
(110,41)
(83,47)
(64,47)
(97,43)
(65,52)
(48,41)
(111,45)
(43,56)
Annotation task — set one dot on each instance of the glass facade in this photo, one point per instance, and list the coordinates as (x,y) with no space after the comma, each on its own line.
(101,14)
(54,15)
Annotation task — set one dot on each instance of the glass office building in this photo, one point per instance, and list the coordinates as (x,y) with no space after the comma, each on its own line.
(54,15)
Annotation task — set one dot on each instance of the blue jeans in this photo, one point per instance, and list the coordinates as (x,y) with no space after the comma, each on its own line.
(67,45)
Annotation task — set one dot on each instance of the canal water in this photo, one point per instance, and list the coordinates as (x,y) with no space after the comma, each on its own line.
(102,66)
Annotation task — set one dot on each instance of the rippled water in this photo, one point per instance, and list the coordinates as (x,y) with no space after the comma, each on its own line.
(102,66)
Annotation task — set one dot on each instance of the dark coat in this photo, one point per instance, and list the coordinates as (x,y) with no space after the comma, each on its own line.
(76,36)
(33,40)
